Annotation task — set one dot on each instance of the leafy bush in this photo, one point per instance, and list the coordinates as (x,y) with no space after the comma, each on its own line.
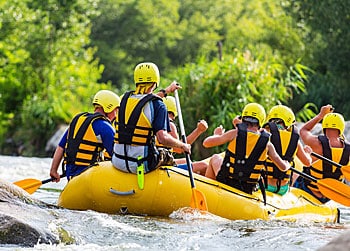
(218,90)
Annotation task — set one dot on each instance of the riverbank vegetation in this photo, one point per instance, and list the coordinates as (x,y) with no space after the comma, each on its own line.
(55,55)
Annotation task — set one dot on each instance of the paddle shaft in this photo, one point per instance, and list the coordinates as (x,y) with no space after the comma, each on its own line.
(183,137)
(51,179)
(326,159)
(330,188)
(303,174)
(31,185)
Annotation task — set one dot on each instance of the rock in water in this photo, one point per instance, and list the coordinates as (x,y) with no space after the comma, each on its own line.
(15,232)
(340,243)
(19,214)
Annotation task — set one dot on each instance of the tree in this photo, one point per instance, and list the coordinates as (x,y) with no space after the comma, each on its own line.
(218,90)
(326,28)
(47,66)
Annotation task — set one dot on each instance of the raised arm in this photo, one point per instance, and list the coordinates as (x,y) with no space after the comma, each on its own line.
(220,137)
(202,126)
(305,131)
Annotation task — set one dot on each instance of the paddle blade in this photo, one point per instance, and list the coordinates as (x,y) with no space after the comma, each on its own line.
(335,190)
(198,200)
(30,185)
(346,172)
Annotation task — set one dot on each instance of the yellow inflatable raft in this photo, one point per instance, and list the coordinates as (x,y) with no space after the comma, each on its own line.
(103,188)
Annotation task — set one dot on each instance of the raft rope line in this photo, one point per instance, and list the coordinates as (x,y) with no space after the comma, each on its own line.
(242,195)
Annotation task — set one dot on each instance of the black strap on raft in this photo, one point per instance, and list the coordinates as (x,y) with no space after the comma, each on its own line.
(73,143)
(126,131)
(262,181)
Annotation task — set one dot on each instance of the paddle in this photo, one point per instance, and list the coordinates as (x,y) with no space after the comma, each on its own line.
(344,169)
(198,199)
(330,188)
(31,185)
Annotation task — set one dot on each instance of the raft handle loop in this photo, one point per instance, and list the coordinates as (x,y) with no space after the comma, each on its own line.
(131,192)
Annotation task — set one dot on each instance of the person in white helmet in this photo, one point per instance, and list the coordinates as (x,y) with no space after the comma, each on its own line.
(87,137)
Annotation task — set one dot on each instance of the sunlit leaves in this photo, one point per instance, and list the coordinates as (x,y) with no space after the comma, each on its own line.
(46,65)
(218,90)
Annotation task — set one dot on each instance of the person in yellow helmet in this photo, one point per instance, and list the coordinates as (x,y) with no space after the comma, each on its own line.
(87,137)
(198,166)
(142,117)
(331,144)
(286,140)
(246,153)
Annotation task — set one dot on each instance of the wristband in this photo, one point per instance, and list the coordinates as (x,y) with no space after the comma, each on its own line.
(164,93)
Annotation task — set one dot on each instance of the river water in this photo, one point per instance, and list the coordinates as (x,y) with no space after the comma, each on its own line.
(180,231)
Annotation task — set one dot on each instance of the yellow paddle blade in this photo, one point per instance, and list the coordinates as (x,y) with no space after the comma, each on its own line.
(198,200)
(346,172)
(30,185)
(335,190)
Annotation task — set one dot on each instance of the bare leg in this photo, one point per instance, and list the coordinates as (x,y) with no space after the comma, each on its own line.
(180,161)
(214,166)
(200,167)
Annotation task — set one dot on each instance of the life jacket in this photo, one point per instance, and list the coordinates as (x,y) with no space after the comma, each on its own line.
(244,160)
(134,138)
(323,169)
(285,143)
(82,147)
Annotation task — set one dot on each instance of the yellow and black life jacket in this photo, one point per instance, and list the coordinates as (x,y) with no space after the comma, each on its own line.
(244,159)
(323,169)
(285,143)
(82,147)
(134,128)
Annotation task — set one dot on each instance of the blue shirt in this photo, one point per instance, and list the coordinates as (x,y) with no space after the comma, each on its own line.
(161,118)
(102,128)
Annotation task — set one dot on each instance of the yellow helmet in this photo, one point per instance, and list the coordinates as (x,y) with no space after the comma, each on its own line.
(170,103)
(108,100)
(146,73)
(334,120)
(255,110)
(282,112)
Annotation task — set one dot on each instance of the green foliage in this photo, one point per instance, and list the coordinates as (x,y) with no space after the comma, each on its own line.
(47,66)
(172,33)
(218,90)
(53,53)
(128,32)
(328,36)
